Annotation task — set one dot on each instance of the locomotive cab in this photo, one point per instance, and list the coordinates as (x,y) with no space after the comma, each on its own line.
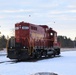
(52,37)
(54,43)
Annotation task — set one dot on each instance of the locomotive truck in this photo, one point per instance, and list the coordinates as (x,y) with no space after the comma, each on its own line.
(32,41)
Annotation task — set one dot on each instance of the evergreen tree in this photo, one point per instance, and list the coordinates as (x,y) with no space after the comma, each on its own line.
(3,41)
(75,42)
(65,42)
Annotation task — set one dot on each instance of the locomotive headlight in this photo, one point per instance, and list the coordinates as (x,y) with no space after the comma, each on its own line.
(24,47)
(11,47)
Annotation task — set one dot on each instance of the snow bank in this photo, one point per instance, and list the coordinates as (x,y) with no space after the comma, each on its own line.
(68,49)
(63,65)
(4,51)
(45,73)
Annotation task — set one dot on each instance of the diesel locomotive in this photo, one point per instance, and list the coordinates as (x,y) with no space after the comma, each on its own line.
(32,41)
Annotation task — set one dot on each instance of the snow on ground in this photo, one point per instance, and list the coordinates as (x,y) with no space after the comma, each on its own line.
(64,65)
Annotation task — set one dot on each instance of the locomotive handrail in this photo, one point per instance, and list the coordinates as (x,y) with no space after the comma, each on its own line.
(49,39)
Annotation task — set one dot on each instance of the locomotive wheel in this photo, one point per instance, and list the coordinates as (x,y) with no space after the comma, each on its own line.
(53,55)
(34,55)
(45,53)
(38,54)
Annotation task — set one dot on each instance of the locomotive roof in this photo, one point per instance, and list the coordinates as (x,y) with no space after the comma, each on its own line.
(22,22)
(44,26)
(52,30)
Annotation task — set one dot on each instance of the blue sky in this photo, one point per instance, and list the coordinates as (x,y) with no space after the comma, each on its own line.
(44,12)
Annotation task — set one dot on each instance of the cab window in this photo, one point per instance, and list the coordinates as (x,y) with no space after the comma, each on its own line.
(33,28)
(25,27)
(16,28)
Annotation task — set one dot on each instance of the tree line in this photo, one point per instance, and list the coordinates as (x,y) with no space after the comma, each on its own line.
(66,42)
(63,40)
(3,42)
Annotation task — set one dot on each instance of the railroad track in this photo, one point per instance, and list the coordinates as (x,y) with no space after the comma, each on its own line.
(28,60)
(10,62)
(3,54)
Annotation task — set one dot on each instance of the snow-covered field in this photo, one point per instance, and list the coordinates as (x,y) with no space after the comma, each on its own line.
(64,65)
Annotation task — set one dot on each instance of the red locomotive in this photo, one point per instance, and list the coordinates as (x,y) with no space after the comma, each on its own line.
(32,41)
